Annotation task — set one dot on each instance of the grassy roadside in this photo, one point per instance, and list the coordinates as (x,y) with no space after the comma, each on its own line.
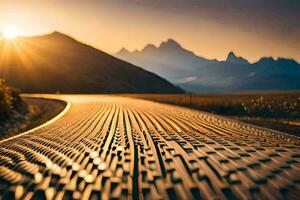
(291,127)
(36,112)
(275,110)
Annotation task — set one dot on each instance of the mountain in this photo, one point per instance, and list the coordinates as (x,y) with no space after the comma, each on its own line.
(57,62)
(233,59)
(170,60)
(197,74)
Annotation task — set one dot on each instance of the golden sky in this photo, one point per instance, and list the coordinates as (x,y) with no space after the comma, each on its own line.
(251,29)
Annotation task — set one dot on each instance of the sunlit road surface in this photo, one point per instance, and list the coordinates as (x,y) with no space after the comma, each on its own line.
(111,147)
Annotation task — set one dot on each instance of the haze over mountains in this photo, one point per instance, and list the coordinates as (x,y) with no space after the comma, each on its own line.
(57,62)
(197,74)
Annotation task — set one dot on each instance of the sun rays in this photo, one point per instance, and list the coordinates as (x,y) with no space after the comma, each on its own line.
(10,32)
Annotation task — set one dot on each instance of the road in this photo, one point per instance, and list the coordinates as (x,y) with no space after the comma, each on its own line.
(111,147)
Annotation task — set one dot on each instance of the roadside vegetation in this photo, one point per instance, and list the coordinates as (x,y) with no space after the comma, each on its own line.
(10,102)
(19,114)
(278,111)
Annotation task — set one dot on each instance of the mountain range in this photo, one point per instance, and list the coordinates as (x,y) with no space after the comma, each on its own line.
(198,74)
(57,62)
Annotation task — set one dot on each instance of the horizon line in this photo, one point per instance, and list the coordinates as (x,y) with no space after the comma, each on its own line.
(276,58)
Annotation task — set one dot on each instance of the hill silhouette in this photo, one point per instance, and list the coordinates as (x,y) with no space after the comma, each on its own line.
(57,62)
(197,74)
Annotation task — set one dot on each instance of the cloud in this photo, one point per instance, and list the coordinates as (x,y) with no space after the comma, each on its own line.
(187,79)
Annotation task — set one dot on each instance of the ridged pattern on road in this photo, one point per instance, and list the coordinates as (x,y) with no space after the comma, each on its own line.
(111,147)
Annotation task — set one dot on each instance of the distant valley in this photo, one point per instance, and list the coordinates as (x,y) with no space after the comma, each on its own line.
(198,74)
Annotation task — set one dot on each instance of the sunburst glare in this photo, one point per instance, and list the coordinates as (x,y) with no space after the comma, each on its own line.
(10,32)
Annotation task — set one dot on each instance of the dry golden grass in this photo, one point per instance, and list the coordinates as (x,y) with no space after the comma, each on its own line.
(270,110)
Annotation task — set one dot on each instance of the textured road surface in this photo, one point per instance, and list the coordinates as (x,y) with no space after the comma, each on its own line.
(107,147)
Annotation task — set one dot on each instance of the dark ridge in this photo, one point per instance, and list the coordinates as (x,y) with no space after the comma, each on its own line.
(56,62)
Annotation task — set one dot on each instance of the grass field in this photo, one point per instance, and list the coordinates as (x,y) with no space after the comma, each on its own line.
(278,111)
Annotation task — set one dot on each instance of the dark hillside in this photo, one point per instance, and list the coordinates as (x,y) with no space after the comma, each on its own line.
(56,62)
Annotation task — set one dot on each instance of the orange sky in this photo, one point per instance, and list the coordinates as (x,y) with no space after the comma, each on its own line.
(209,29)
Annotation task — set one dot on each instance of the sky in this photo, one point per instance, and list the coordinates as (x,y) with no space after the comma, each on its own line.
(209,28)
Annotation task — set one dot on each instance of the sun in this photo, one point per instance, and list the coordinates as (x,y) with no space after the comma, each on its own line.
(10,32)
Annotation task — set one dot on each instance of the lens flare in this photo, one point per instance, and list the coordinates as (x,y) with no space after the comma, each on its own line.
(10,32)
